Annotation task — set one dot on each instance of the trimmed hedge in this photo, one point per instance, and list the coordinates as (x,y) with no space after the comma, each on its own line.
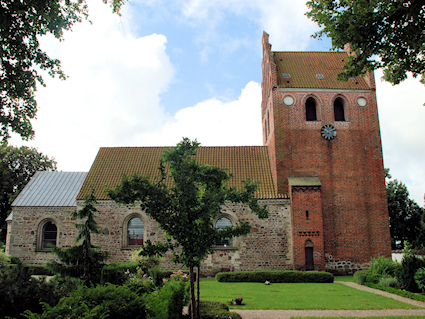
(399,292)
(215,310)
(276,276)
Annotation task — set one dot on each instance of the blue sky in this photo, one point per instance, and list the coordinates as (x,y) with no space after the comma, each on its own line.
(168,69)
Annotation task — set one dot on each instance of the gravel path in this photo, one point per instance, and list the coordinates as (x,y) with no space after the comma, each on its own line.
(287,314)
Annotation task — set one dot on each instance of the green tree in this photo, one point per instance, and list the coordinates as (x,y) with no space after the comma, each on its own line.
(406,216)
(22,22)
(184,200)
(84,261)
(17,166)
(391,30)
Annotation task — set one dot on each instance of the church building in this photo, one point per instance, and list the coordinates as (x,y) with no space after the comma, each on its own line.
(320,171)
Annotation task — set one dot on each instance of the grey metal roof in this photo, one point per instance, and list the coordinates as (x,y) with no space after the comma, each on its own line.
(53,189)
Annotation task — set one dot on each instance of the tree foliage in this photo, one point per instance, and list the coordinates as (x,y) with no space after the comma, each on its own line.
(407,218)
(389,29)
(17,166)
(187,209)
(83,261)
(22,22)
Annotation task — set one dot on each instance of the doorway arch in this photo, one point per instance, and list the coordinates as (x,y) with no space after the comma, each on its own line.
(309,260)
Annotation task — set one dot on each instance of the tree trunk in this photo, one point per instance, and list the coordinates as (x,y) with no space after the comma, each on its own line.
(198,304)
(192,295)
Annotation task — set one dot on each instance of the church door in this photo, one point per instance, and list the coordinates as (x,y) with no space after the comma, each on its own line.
(309,261)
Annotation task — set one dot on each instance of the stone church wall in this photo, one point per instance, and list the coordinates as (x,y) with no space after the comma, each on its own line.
(268,246)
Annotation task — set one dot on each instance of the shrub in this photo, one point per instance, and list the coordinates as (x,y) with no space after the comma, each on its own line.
(277,276)
(360,276)
(99,302)
(117,273)
(373,278)
(389,282)
(15,260)
(399,292)
(216,310)
(420,278)
(407,271)
(168,302)
(383,266)
(145,262)
(4,259)
(38,270)
(18,291)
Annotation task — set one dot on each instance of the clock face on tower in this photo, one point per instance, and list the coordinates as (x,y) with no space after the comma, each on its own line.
(328,132)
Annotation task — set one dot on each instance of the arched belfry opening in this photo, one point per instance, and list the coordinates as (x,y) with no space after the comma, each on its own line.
(310,109)
(339,110)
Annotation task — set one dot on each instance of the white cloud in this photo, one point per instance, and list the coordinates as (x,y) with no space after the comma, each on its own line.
(401,113)
(215,123)
(111,95)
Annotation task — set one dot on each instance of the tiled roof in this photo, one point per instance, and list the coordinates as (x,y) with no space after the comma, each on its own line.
(305,69)
(243,162)
(51,189)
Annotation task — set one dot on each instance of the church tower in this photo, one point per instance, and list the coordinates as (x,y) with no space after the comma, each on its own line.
(325,150)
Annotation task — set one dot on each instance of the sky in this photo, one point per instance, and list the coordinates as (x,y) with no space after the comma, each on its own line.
(192,68)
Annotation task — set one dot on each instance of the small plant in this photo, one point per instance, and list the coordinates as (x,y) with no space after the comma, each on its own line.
(383,266)
(145,262)
(180,276)
(389,282)
(236,301)
(420,278)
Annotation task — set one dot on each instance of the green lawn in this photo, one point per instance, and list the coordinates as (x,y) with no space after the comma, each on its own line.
(295,296)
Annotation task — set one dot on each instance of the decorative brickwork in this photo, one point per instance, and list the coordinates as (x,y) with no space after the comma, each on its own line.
(349,167)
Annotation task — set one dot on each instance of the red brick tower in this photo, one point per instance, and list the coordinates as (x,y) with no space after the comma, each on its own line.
(325,150)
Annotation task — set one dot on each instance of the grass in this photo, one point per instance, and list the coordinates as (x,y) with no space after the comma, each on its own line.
(295,296)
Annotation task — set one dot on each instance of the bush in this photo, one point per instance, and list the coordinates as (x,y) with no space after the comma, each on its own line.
(19,292)
(277,276)
(145,262)
(4,259)
(168,302)
(373,278)
(384,266)
(420,278)
(399,292)
(407,271)
(360,276)
(38,270)
(216,310)
(389,282)
(117,273)
(99,302)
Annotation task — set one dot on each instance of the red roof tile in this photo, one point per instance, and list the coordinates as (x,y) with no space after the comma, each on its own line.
(304,66)
(243,162)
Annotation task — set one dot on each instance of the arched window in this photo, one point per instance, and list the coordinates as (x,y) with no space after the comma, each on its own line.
(48,235)
(339,110)
(222,223)
(135,231)
(310,109)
